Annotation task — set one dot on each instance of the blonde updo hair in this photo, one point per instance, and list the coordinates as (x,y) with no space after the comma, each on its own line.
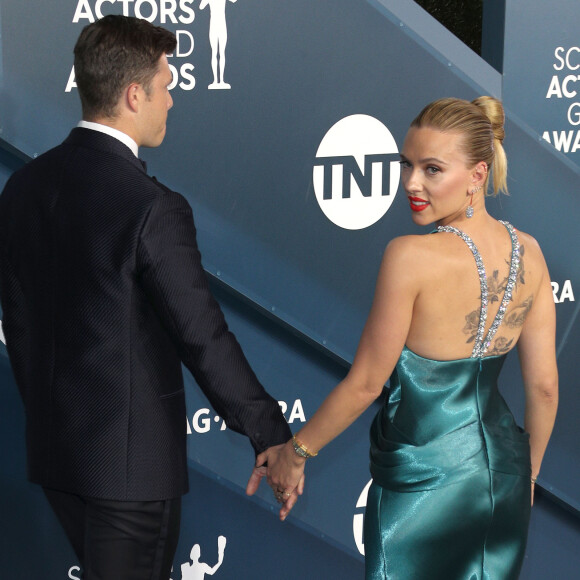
(481,123)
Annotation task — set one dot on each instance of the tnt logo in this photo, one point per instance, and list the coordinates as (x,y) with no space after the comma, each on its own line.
(356,172)
(359,519)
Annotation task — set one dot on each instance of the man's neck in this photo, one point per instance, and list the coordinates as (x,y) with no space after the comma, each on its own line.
(115,132)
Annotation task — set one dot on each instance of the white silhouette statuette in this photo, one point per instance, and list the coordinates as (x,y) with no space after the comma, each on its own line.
(218,38)
(197,570)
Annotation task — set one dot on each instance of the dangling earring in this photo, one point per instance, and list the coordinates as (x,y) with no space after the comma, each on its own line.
(469,209)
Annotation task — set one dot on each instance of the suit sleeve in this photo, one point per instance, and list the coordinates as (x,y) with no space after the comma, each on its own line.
(13,323)
(170,269)
(15,320)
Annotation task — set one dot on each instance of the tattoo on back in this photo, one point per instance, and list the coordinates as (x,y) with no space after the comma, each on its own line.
(471,323)
(500,346)
(515,316)
(496,287)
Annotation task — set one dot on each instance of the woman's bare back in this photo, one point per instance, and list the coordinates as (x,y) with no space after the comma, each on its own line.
(447,308)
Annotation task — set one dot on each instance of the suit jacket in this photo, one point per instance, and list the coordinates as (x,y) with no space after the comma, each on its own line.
(103,296)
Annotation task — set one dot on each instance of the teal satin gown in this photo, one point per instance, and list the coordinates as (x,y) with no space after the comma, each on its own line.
(450,498)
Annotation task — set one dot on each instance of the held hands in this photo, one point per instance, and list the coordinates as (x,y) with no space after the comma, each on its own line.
(284,473)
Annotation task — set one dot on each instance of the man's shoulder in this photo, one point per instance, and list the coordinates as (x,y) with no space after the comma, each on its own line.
(96,165)
(40,165)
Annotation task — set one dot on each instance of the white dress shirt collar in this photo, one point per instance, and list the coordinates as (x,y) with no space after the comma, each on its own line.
(119,135)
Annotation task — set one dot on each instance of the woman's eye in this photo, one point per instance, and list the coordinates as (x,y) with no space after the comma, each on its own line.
(404,164)
(432,170)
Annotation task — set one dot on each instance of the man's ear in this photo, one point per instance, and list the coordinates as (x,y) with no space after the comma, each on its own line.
(134,95)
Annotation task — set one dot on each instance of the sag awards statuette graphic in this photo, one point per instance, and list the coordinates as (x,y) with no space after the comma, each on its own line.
(218,38)
(197,570)
(176,13)
(356,172)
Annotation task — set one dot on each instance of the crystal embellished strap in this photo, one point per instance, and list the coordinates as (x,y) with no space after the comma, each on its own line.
(507,295)
(481,345)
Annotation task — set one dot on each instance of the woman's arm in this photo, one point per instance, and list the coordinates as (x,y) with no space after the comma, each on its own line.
(379,348)
(537,353)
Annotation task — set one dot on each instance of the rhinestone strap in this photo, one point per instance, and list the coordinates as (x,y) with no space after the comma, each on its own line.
(481,345)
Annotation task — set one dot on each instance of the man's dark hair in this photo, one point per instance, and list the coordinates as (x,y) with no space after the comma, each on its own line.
(112,53)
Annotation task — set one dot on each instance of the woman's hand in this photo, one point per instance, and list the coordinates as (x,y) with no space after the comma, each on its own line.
(284,471)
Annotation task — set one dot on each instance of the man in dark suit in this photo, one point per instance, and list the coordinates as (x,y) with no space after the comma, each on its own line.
(103,298)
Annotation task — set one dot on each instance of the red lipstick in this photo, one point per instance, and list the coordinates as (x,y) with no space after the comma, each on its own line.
(418,204)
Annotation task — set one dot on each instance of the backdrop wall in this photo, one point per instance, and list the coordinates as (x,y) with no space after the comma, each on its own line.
(292,176)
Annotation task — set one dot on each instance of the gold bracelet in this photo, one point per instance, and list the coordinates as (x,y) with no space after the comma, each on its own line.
(301,449)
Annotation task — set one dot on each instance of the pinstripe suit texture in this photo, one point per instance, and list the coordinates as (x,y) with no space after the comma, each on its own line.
(103,297)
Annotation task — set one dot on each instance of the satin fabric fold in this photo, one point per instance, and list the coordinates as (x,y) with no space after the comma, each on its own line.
(451,475)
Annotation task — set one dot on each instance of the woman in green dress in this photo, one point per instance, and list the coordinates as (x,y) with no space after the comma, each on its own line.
(453,474)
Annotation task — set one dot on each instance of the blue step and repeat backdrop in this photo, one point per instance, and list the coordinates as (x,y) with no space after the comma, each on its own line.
(289,162)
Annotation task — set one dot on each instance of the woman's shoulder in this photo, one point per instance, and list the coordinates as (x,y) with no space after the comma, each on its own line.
(418,247)
(526,238)
(529,245)
(532,269)
(415,256)
(405,247)
(411,242)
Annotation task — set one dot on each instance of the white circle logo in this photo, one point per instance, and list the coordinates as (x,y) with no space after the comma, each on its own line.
(356,172)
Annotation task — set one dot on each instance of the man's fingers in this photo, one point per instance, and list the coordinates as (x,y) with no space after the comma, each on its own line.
(255,478)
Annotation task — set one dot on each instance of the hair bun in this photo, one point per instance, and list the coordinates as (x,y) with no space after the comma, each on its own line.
(493,110)
(481,123)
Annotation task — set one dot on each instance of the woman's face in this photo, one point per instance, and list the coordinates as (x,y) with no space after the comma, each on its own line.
(435,175)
